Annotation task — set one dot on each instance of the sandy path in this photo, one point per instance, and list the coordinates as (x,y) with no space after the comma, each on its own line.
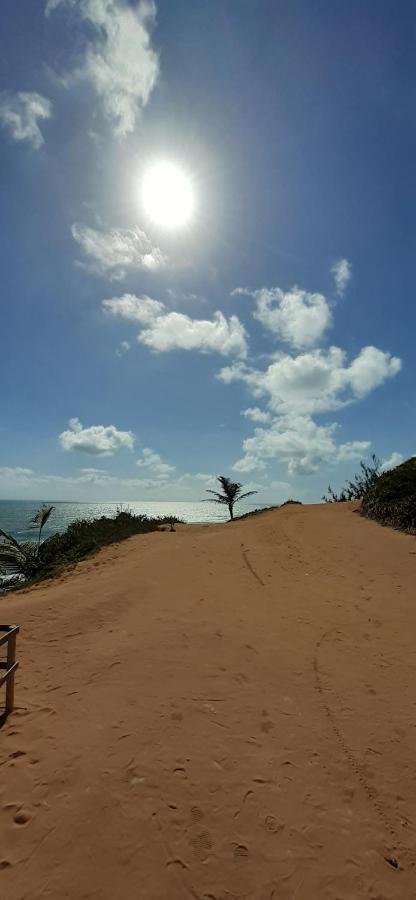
(223,713)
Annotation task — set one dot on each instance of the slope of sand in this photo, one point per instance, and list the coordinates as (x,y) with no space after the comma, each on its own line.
(222,713)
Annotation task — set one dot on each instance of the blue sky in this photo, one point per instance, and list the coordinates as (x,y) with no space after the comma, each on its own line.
(271,336)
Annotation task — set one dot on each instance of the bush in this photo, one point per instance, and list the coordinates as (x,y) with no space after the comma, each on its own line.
(357,488)
(82,538)
(391,500)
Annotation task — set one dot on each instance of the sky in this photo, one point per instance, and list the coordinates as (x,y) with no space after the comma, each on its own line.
(266,332)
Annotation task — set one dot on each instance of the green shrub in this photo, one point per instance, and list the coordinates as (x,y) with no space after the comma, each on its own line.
(391,500)
(361,483)
(80,539)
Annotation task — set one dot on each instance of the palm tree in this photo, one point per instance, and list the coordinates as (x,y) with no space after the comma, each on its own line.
(40,518)
(231,494)
(17,558)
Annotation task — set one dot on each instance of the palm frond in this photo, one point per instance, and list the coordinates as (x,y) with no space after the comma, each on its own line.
(42,515)
(248,494)
(218,498)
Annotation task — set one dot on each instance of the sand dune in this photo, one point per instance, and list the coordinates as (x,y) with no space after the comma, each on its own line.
(222,713)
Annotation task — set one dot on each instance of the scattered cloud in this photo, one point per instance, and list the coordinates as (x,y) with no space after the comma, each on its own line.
(135,309)
(119,61)
(296,317)
(100,440)
(152,461)
(15,472)
(256,414)
(298,442)
(342,272)
(177,331)
(123,348)
(315,382)
(20,113)
(114,251)
(164,331)
(249,463)
(394,460)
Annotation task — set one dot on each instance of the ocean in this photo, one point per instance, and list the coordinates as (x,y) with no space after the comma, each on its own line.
(15,515)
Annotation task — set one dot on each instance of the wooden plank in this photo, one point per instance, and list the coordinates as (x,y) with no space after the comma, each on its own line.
(9,672)
(9,629)
(11,663)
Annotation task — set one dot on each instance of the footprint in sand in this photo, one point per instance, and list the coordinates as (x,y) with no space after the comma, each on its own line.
(196,814)
(240,852)
(22,817)
(201,844)
(273,825)
(267,726)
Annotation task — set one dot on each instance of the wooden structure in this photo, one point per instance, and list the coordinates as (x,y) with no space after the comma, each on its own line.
(8,635)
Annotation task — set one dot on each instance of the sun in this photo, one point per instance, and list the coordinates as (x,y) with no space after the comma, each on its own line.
(167,195)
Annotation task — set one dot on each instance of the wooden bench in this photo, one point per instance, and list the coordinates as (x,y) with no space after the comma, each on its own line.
(8,635)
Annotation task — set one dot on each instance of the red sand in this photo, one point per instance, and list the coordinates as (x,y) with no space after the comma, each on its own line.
(223,713)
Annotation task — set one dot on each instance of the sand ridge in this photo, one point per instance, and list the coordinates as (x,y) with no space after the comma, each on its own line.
(221,713)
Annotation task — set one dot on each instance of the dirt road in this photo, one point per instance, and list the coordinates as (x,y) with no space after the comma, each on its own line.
(222,713)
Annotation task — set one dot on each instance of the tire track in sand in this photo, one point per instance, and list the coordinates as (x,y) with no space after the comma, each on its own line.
(250,568)
(355,765)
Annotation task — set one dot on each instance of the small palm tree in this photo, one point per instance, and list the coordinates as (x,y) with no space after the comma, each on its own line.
(231,494)
(16,558)
(40,518)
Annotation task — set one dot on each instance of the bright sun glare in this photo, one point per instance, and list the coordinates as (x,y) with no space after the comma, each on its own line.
(167,195)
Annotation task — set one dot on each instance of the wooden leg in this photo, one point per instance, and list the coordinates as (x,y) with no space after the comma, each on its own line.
(11,659)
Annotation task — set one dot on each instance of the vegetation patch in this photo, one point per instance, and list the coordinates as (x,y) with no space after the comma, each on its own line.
(391,499)
(81,539)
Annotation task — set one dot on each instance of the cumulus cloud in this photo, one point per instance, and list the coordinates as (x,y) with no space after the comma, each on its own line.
(154,463)
(316,382)
(114,251)
(342,273)
(298,442)
(297,317)
(249,463)
(119,61)
(394,460)
(256,414)
(164,331)
(176,331)
(21,113)
(99,440)
(135,309)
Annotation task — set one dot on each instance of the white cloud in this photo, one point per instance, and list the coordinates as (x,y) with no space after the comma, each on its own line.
(176,331)
(256,414)
(342,272)
(164,331)
(296,317)
(123,348)
(15,472)
(249,463)
(369,369)
(298,442)
(20,114)
(315,382)
(116,250)
(135,309)
(152,461)
(120,62)
(100,440)
(394,460)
